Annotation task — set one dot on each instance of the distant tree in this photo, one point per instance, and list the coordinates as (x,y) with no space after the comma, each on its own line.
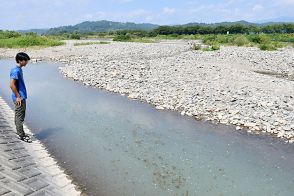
(75,35)
(9,34)
(31,34)
(221,29)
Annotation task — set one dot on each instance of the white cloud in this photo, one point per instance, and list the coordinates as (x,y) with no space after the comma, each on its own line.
(137,13)
(95,16)
(197,9)
(289,2)
(168,10)
(257,8)
(122,1)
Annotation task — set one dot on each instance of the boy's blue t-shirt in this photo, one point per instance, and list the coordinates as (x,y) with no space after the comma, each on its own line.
(16,73)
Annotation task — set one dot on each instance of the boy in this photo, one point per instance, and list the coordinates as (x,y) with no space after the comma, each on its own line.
(19,94)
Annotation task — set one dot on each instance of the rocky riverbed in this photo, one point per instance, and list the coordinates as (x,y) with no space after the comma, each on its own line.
(242,86)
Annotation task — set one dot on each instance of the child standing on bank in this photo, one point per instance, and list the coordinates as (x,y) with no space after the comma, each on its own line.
(19,94)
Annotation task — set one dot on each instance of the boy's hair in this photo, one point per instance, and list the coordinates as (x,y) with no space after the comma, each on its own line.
(22,56)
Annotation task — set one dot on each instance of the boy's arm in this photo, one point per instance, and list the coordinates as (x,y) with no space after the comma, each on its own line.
(14,90)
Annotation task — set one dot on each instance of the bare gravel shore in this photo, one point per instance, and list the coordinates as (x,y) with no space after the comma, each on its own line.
(242,86)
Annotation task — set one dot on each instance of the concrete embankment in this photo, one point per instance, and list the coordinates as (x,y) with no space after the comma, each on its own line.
(27,168)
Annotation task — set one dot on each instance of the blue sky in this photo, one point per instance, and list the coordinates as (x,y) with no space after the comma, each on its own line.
(26,14)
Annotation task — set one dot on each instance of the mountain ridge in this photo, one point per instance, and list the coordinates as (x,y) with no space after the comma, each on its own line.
(105,25)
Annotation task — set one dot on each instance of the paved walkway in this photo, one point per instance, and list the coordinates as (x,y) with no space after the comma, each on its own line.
(27,168)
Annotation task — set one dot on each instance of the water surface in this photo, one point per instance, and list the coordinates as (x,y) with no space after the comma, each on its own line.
(111,145)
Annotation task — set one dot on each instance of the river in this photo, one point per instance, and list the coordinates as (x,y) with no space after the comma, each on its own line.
(111,145)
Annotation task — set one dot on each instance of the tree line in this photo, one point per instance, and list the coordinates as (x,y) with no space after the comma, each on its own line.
(224,29)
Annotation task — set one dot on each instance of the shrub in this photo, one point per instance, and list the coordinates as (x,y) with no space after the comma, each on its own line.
(121,38)
(209,39)
(215,47)
(143,40)
(283,37)
(264,39)
(241,41)
(101,42)
(260,39)
(90,43)
(196,46)
(31,34)
(75,36)
(279,44)
(224,39)
(174,35)
(267,46)
(9,34)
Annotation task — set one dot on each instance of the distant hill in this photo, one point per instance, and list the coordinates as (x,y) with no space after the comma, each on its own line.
(242,22)
(245,23)
(284,19)
(104,25)
(38,31)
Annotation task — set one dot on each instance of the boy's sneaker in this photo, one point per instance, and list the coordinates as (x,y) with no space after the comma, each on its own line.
(25,138)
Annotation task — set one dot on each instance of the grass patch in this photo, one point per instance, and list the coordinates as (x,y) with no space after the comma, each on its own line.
(25,41)
(122,38)
(143,40)
(241,41)
(213,47)
(267,46)
(133,38)
(263,41)
(90,43)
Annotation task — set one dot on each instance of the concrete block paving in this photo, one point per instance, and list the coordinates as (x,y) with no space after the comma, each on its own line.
(27,168)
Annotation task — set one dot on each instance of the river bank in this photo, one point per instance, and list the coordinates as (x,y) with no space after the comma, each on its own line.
(242,86)
(28,168)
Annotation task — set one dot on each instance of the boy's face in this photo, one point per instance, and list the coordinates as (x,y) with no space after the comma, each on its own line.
(23,63)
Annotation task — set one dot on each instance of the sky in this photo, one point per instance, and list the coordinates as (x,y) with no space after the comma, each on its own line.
(28,14)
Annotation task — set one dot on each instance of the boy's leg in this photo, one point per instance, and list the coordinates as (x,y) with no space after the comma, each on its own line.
(20,111)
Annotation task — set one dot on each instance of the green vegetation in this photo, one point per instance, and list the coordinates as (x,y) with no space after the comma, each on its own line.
(104,26)
(122,38)
(11,39)
(266,37)
(237,28)
(213,47)
(241,40)
(65,36)
(9,34)
(267,46)
(134,36)
(90,43)
(127,35)
(263,41)
(196,47)
(143,40)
